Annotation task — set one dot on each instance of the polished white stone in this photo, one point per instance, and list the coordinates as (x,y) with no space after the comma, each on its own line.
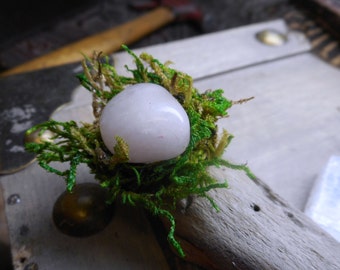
(151,121)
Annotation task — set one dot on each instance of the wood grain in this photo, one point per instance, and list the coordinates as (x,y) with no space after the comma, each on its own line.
(255,229)
(126,243)
(222,51)
(287,133)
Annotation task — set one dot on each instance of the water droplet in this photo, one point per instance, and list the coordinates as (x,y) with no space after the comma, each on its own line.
(84,211)
(13,199)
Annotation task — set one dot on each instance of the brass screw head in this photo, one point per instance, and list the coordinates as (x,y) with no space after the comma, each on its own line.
(271,37)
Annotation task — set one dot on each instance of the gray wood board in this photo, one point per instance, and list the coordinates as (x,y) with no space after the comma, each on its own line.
(254,230)
(127,242)
(289,130)
(222,51)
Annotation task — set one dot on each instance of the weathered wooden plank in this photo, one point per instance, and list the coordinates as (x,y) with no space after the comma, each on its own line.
(290,129)
(255,229)
(218,52)
(126,243)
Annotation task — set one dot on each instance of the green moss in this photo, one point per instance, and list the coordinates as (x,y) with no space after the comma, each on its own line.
(157,186)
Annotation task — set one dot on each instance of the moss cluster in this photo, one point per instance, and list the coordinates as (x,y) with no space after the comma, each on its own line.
(157,186)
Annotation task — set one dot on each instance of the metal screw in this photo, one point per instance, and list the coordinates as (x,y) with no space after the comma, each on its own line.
(271,37)
(13,199)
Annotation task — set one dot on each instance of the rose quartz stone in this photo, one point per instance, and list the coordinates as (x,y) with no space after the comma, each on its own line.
(151,121)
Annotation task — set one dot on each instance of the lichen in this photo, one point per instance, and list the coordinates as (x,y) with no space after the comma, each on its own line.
(157,186)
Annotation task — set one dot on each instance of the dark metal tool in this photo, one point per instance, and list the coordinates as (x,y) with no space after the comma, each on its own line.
(183,10)
(30,93)
(108,41)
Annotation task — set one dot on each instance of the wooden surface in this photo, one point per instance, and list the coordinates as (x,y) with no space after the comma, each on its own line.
(289,130)
(285,134)
(255,229)
(223,51)
(127,243)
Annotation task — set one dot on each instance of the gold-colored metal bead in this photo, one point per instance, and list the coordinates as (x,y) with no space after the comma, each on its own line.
(39,137)
(84,211)
(271,37)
